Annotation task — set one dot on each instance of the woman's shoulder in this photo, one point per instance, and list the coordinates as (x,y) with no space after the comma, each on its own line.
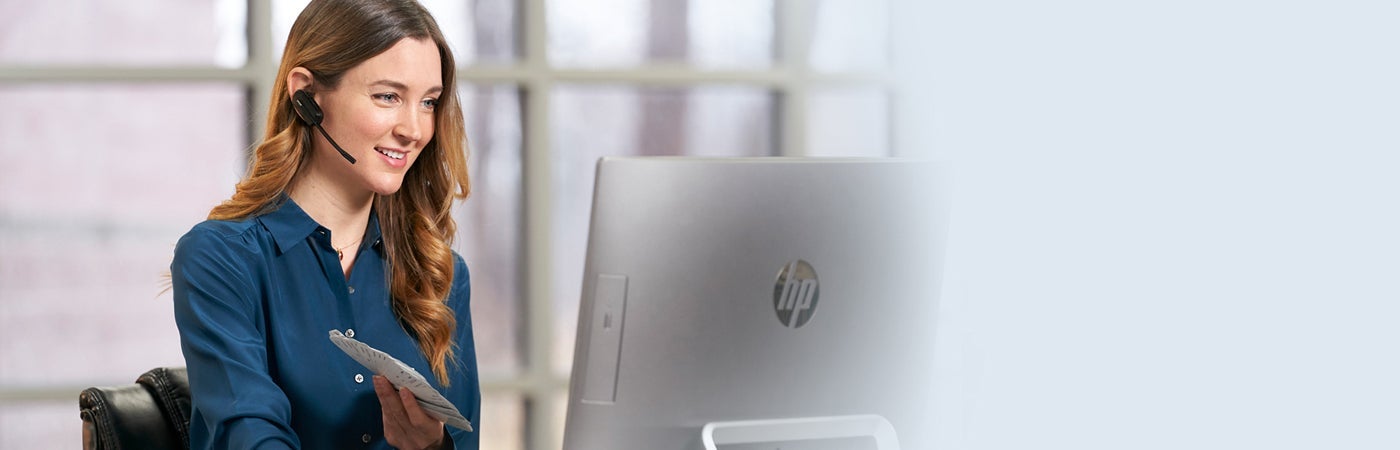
(218,254)
(218,236)
(222,227)
(458,263)
(461,277)
(460,274)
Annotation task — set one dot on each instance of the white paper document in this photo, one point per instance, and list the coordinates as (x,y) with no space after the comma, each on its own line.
(403,376)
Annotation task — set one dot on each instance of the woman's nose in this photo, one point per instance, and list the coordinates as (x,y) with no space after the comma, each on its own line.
(409,127)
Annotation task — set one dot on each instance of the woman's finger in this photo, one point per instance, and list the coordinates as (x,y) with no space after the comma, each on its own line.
(406,425)
(395,419)
(415,413)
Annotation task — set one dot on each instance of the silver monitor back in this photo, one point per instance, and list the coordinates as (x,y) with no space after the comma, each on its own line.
(696,310)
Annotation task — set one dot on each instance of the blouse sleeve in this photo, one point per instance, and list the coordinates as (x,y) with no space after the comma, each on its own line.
(217,310)
(460,302)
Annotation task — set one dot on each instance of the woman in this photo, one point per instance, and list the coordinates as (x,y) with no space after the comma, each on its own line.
(311,242)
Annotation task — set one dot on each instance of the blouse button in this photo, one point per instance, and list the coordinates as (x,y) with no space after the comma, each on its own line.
(359,378)
(352,289)
(349,332)
(365,438)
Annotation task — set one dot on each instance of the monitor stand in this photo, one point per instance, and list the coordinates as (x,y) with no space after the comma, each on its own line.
(814,433)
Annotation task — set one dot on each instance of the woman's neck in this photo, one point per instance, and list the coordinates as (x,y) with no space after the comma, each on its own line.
(343,210)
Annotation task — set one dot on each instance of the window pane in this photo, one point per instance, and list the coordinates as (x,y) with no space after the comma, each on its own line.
(595,121)
(852,121)
(47,424)
(124,33)
(489,230)
(100,182)
(711,34)
(850,36)
(503,421)
(479,31)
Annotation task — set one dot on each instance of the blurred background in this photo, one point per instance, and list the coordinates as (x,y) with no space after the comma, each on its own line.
(1173,222)
(126,121)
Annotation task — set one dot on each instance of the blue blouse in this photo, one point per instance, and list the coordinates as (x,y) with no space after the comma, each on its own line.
(255,300)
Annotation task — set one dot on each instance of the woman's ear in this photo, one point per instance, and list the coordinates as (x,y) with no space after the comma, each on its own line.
(299,78)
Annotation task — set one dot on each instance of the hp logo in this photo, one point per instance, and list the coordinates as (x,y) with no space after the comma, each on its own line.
(795,295)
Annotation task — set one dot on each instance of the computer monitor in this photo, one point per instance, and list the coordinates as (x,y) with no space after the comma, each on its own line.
(754,303)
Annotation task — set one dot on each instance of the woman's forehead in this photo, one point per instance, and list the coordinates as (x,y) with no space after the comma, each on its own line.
(412,64)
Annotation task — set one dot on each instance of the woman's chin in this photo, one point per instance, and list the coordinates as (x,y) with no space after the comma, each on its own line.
(386,187)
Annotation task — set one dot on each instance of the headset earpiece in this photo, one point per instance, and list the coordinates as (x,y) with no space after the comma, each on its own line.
(306,107)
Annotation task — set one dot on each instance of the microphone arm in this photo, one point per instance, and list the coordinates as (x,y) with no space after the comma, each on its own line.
(333,144)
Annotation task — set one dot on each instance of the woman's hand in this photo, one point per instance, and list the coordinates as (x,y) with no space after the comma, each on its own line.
(406,426)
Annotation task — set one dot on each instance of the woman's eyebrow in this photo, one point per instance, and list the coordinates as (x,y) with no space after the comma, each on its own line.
(402,87)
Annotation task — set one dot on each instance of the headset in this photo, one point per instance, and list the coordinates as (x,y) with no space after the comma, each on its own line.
(309,112)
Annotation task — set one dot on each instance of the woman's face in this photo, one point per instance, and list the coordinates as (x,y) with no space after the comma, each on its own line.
(382,114)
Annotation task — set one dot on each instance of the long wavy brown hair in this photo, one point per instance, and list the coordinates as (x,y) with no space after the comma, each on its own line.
(329,38)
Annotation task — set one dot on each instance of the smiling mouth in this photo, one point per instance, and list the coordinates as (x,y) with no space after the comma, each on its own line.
(391,153)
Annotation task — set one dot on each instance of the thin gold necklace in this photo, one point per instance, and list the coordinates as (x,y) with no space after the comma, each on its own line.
(340,251)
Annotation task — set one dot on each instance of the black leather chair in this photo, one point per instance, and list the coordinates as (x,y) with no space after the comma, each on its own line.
(152,414)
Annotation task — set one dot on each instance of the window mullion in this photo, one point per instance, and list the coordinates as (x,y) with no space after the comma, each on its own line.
(260,61)
(537,84)
(795,37)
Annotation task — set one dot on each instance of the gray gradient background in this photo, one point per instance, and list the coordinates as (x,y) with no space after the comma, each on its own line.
(1176,223)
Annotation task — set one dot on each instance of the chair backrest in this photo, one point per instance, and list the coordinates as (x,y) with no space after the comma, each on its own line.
(153,414)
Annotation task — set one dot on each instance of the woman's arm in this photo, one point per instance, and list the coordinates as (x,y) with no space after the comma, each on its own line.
(460,302)
(236,403)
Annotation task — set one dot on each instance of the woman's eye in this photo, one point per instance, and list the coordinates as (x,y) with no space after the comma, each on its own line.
(430,103)
(386,97)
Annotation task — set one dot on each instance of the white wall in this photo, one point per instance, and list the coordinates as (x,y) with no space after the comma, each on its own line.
(1177,223)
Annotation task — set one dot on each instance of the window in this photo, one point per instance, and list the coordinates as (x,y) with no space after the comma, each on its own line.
(122,135)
